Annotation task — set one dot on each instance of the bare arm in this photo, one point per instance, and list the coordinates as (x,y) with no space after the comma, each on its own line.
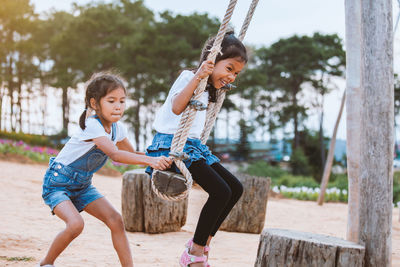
(127,146)
(180,101)
(127,157)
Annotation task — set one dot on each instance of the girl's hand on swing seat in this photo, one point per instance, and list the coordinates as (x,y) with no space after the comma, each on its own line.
(160,163)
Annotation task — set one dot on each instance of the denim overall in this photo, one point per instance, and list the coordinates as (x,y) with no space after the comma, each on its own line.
(74,181)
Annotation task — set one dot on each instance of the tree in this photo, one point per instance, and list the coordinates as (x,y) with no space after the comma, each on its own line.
(61,74)
(332,62)
(253,87)
(299,163)
(170,45)
(293,65)
(16,21)
(107,29)
(309,147)
(243,146)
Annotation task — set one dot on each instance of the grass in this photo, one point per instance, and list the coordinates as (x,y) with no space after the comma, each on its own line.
(23,258)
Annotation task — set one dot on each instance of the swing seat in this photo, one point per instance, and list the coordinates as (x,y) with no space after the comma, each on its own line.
(169,183)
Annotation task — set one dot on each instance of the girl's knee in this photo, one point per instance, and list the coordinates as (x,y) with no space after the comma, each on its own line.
(115,222)
(75,226)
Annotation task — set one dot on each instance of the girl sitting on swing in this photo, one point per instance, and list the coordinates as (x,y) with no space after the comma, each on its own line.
(223,188)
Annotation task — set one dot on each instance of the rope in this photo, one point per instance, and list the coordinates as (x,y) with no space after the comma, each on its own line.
(247,20)
(212,113)
(189,114)
(214,108)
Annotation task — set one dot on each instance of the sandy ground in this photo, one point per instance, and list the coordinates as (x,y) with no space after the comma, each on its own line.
(27,227)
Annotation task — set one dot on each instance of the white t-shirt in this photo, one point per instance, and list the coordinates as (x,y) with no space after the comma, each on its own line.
(167,122)
(77,147)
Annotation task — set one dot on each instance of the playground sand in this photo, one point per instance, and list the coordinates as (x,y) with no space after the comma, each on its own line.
(27,227)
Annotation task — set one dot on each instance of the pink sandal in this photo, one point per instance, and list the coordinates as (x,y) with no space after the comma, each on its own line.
(187,259)
(206,249)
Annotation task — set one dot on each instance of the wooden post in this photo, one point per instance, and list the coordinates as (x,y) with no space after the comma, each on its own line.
(369,46)
(353,110)
(331,154)
(248,215)
(280,247)
(144,211)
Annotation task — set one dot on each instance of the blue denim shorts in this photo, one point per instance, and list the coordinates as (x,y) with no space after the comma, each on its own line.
(161,146)
(63,183)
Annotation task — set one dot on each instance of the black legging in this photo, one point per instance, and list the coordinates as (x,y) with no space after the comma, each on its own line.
(223,189)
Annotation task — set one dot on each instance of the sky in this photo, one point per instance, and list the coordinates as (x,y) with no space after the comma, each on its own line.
(272,20)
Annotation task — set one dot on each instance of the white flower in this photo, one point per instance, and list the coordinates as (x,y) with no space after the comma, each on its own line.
(276,189)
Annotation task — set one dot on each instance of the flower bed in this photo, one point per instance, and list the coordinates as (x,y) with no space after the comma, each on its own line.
(305,193)
(43,154)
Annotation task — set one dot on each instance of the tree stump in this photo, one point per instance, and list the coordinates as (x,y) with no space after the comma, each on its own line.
(144,211)
(279,247)
(248,215)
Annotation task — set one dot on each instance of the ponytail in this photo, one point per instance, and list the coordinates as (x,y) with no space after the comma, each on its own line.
(82,120)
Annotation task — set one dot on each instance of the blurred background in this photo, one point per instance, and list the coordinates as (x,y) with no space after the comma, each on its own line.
(278,121)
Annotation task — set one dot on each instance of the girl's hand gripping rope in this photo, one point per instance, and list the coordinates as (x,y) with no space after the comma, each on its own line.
(160,163)
(206,68)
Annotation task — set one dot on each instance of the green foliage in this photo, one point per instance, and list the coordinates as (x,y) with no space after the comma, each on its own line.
(310,144)
(121,168)
(31,139)
(279,74)
(312,195)
(297,181)
(263,169)
(339,181)
(37,154)
(43,154)
(243,147)
(396,187)
(61,49)
(278,175)
(299,163)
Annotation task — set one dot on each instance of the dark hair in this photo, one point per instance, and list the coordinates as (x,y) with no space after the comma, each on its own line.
(98,86)
(231,47)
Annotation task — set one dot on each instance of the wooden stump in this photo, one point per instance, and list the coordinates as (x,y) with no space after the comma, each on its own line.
(144,211)
(248,215)
(279,247)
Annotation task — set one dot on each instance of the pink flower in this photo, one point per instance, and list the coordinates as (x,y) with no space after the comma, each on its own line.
(51,151)
(19,143)
(118,163)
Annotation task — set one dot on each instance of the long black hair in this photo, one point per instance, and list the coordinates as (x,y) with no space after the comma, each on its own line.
(98,86)
(231,47)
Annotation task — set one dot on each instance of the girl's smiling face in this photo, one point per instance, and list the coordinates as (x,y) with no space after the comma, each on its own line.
(225,71)
(112,106)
